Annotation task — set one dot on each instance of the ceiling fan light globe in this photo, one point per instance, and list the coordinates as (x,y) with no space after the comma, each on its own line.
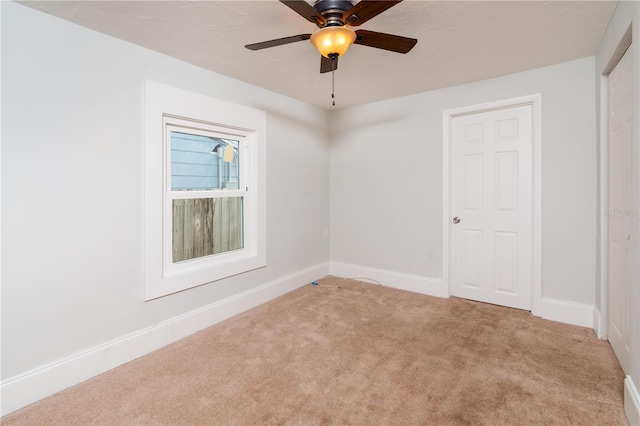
(333,40)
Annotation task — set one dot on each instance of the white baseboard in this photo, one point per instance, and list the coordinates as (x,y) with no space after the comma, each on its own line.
(631,402)
(409,282)
(597,324)
(27,388)
(566,312)
(551,309)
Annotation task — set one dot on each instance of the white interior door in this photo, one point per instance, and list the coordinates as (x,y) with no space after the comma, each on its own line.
(619,212)
(491,206)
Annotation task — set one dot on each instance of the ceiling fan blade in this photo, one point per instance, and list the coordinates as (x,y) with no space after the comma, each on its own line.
(384,41)
(278,42)
(327,64)
(365,10)
(305,10)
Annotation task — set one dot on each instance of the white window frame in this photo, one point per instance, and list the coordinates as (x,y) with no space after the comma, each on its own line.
(246,144)
(167,109)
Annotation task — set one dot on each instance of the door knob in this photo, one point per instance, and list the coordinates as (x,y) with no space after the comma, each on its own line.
(456,219)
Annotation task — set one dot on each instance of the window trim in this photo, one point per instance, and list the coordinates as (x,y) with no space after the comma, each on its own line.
(164,104)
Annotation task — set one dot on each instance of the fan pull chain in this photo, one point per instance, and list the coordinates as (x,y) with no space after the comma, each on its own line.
(333,80)
(333,85)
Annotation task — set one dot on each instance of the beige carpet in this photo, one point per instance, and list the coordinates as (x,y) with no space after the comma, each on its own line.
(347,352)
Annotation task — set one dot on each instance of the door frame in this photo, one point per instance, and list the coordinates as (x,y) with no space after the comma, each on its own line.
(535,101)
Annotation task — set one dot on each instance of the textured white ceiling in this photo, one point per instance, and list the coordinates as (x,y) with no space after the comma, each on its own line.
(458,41)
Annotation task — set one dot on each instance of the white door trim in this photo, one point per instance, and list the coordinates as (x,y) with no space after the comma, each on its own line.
(536,262)
(601,324)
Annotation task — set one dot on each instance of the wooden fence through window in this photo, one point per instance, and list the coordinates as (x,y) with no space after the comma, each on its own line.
(205,226)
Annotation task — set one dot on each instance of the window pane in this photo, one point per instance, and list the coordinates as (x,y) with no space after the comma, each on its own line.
(206,226)
(200,163)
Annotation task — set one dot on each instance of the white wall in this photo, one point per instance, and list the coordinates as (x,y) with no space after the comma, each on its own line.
(626,16)
(386,178)
(72,188)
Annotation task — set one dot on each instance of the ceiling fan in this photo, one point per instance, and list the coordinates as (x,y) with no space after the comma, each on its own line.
(334,17)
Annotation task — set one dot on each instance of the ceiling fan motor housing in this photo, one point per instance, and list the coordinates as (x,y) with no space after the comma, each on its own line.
(333,10)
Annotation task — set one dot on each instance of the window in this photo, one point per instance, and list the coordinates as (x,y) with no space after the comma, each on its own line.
(204,190)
